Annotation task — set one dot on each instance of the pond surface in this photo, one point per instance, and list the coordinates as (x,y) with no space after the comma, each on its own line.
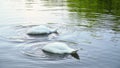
(92,26)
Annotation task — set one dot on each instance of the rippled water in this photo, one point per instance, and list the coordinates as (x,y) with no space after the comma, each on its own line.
(91,28)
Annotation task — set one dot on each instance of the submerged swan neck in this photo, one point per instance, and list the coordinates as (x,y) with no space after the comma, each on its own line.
(75,55)
(56,32)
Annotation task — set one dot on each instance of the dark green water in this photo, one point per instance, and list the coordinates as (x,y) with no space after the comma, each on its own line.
(92,26)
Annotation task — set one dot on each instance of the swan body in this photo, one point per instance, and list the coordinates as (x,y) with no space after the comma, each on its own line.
(41,30)
(60,48)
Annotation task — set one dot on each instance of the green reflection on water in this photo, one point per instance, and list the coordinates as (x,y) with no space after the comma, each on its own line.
(90,13)
(99,6)
(97,13)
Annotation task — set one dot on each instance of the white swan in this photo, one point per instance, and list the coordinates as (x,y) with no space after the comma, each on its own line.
(41,30)
(60,48)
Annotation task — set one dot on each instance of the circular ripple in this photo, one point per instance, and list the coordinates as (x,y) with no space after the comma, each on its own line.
(34,50)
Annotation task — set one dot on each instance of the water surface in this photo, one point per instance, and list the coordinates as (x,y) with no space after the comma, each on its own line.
(93,27)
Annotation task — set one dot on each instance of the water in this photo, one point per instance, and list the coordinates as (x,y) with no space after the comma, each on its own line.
(93,28)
